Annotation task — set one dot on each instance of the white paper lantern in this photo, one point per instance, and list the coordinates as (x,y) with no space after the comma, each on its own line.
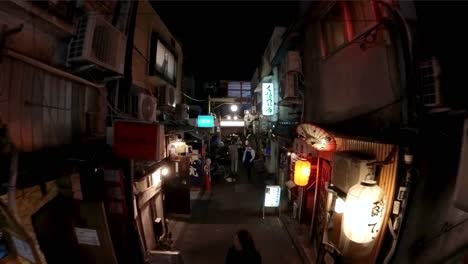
(364,210)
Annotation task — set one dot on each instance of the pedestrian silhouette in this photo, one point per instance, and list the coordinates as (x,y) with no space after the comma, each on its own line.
(247,159)
(243,250)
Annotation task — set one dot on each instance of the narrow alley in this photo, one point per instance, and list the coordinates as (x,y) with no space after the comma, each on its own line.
(233,132)
(229,207)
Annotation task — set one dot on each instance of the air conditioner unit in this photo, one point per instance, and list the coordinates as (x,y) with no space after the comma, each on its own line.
(351,168)
(431,93)
(182,112)
(98,42)
(147,107)
(166,96)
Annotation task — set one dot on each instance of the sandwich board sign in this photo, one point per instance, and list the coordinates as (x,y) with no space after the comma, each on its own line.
(272,197)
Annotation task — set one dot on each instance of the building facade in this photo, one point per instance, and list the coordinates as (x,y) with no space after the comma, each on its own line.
(373,81)
(70,70)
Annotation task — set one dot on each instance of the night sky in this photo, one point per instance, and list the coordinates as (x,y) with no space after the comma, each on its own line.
(224,40)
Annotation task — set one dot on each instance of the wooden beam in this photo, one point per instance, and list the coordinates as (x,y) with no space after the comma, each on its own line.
(146,195)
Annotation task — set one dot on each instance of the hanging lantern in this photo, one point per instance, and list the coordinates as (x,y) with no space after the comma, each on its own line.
(363,212)
(301,172)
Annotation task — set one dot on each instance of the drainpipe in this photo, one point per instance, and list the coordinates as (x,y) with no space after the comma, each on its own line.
(12,182)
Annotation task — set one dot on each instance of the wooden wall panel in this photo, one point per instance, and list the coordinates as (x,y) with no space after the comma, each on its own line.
(43,109)
(51,108)
(37,117)
(5,77)
(147,221)
(46,115)
(15,104)
(68,116)
(26,127)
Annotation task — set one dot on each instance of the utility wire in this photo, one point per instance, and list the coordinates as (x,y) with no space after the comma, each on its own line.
(194,99)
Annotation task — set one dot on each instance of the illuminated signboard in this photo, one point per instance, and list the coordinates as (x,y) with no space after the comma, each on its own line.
(205,121)
(268,99)
(272,196)
(232,123)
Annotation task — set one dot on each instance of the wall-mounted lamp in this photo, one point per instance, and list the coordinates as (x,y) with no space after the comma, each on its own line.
(164,171)
(158,174)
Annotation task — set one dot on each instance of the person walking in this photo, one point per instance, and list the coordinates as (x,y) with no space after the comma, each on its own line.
(247,159)
(234,154)
(243,250)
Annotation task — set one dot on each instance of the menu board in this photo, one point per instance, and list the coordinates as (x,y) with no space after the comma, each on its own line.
(272,196)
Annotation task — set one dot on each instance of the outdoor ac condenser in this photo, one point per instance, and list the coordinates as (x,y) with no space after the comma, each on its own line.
(350,168)
(166,96)
(98,42)
(147,107)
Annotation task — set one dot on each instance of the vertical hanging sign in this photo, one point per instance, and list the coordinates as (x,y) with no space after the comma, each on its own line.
(268,99)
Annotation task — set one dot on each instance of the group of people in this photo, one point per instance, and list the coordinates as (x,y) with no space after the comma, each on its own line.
(247,158)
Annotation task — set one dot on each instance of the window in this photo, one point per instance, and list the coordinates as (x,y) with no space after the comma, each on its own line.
(239,89)
(162,59)
(165,61)
(345,21)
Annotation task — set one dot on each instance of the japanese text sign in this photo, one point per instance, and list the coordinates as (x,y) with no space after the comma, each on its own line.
(268,99)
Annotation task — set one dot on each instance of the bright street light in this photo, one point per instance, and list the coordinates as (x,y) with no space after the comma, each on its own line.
(233,108)
(235,117)
(228,117)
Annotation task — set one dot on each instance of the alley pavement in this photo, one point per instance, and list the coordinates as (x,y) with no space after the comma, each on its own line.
(223,211)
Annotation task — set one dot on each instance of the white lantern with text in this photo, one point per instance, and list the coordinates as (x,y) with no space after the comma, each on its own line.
(363,213)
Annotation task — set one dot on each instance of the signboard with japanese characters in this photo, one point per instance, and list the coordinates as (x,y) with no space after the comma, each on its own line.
(272,195)
(268,99)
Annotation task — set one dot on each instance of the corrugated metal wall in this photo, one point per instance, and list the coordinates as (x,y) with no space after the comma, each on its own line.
(386,179)
(43,110)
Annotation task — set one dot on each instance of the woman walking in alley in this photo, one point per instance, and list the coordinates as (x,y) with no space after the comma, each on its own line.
(234,154)
(247,159)
(243,250)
